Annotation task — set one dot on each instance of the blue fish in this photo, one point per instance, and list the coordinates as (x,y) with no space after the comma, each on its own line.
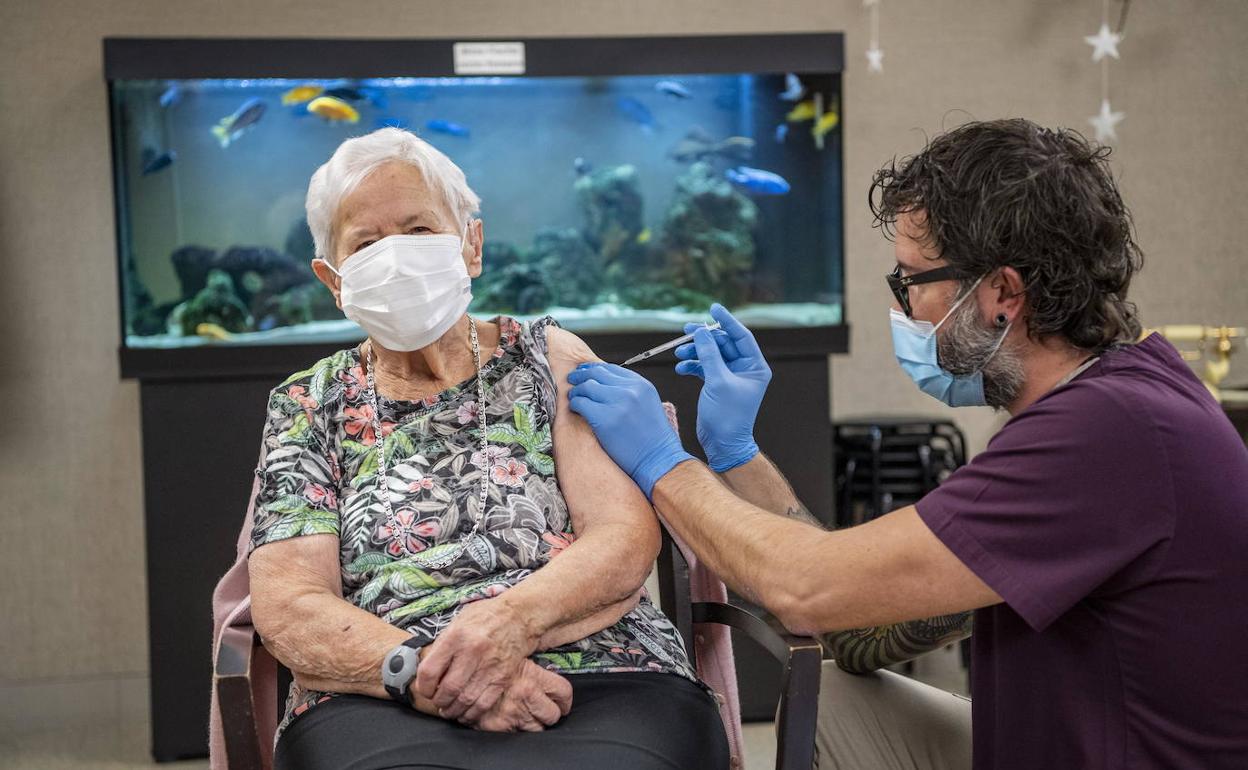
(231,127)
(757,181)
(171,96)
(390,121)
(447,127)
(672,88)
(373,96)
(636,112)
(153,162)
(782,131)
(793,88)
(345,93)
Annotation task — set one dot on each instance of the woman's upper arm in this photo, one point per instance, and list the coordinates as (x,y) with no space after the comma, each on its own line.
(596,490)
(294,536)
(282,571)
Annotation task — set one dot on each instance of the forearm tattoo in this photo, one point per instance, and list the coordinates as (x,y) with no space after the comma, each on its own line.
(861,650)
(800,513)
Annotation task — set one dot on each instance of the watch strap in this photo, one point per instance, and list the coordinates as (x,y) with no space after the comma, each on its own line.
(399,669)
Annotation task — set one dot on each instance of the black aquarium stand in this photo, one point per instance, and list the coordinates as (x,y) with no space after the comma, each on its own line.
(201,438)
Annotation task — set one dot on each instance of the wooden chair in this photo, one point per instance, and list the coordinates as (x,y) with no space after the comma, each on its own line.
(245,674)
(799,656)
(249,716)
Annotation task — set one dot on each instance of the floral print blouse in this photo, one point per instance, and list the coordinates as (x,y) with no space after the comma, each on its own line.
(319,476)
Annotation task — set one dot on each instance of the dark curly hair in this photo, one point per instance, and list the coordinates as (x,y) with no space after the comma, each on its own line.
(1010,193)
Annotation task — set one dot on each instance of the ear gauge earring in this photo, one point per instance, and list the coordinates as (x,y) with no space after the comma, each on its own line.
(1002,319)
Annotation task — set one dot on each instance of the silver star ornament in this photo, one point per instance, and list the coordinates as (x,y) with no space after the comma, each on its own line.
(875,59)
(1105,122)
(1104,43)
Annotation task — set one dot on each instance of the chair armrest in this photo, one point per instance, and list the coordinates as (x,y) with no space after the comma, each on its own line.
(801,658)
(235,651)
(242,674)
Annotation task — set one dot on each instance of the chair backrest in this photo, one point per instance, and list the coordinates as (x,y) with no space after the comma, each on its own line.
(682,581)
(231,615)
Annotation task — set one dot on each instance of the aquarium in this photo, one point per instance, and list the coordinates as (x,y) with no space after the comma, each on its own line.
(625,183)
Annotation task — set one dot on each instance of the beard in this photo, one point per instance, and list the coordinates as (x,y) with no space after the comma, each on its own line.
(966,346)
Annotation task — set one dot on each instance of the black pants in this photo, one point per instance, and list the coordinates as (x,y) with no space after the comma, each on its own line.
(617,722)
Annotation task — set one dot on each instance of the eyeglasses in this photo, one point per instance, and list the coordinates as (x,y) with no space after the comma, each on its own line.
(900,284)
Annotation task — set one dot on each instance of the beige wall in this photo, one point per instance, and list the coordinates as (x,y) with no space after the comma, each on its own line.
(1183,83)
(71,537)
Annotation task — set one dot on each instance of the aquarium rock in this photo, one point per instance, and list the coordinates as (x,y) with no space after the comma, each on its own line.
(289,308)
(708,243)
(299,243)
(191,264)
(259,270)
(610,200)
(496,255)
(565,253)
(516,288)
(653,295)
(216,304)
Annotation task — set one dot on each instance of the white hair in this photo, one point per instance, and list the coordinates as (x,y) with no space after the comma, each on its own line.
(358,157)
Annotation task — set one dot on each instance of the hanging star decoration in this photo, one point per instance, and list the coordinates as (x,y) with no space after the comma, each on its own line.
(1105,123)
(1104,43)
(875,59)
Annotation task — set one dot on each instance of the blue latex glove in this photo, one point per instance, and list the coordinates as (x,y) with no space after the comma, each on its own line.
(735,377)
(624,410)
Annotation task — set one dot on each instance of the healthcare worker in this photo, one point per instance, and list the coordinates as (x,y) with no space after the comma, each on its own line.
(1102,536)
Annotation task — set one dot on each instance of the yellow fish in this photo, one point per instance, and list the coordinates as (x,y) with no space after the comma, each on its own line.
(829,121)
(300,94)
(643,237)
(803,111)
(213,331)
(333,110)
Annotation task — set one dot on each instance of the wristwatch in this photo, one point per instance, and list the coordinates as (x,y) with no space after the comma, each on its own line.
(399,669)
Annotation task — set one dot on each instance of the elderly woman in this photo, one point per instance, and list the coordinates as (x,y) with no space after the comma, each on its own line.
(440,544)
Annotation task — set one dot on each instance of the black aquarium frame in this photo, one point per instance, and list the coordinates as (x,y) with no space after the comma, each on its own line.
(197,58)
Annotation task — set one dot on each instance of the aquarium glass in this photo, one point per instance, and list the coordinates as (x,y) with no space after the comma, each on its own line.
(617,204)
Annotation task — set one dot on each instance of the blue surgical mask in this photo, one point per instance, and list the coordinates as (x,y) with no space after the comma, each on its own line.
(914,343)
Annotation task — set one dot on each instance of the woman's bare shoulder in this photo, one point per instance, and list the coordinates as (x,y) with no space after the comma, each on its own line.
(567,349)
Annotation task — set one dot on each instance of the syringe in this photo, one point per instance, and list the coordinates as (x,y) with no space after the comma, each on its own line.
(666,346)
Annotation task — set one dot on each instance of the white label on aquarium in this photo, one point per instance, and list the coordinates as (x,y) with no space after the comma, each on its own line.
(489,58)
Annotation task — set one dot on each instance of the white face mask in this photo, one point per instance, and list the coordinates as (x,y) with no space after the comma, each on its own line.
(406,291)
